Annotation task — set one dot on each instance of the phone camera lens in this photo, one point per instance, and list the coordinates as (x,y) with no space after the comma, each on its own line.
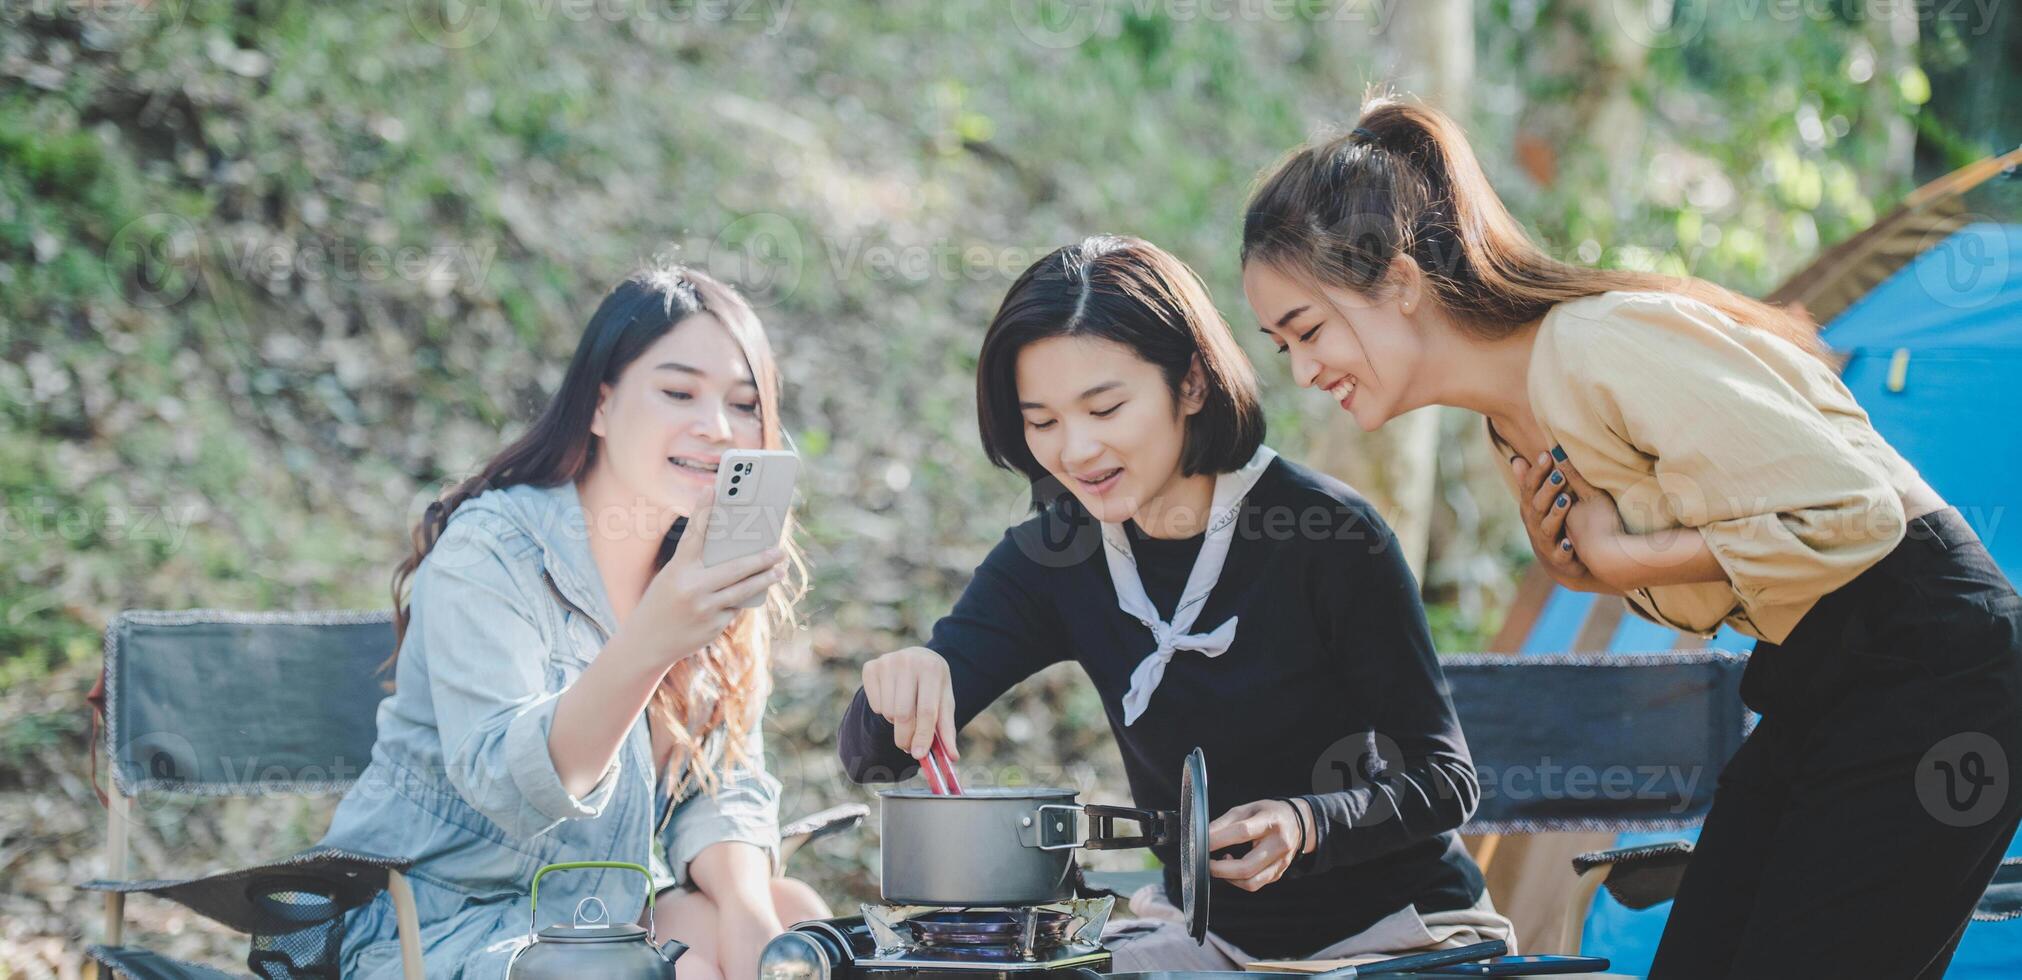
(734,478)
(733,491)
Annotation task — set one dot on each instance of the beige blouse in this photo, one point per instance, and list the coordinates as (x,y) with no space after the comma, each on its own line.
(1689,419)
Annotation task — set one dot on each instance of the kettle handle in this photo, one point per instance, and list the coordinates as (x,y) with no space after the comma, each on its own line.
(534,891)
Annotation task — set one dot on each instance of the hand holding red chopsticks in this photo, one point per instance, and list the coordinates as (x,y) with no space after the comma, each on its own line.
(939,771)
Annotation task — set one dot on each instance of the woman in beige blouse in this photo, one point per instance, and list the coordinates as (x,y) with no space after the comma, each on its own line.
(1689,449)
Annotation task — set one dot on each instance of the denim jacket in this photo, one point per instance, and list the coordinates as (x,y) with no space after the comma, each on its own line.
(507,610)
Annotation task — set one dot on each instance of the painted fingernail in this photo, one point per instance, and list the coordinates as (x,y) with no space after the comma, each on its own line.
(1558,478)
(1565,544)
(1559,453)
(1562,501)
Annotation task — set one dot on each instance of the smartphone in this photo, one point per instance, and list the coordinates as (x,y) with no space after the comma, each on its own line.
(754,491)
(1520,966)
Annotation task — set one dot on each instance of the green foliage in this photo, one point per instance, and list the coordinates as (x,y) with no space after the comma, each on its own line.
(1765,134)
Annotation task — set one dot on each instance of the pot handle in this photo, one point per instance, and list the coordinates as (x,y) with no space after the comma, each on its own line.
(534,891)
(1038,829)
(1155,827)
(1048,833)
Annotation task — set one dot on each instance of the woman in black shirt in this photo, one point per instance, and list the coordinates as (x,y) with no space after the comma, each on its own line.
(1217,596)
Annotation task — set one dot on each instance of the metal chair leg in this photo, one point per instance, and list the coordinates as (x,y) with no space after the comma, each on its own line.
(115,865)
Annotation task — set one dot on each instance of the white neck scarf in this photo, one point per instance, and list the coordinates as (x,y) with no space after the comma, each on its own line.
(1171,637)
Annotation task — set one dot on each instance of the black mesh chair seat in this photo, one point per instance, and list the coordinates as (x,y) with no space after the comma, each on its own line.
(837,819)
(283,897)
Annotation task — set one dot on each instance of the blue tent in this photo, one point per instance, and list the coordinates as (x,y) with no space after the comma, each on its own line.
(1933,344)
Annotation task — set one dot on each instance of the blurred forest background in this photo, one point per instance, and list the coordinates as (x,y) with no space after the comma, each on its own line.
(273,272)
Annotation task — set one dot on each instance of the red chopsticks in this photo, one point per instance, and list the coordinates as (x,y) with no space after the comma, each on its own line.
(939,771)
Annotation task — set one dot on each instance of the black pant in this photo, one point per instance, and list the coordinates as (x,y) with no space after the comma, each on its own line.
(1854,830)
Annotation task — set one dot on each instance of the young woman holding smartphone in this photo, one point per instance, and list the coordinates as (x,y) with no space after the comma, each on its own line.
(1689,449)
(572,683)
(1217,596)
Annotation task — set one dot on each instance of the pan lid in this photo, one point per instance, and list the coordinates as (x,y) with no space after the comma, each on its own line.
(1193,844)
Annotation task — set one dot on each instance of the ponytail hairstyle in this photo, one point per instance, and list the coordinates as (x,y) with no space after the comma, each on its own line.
(731,676)
(1404,182)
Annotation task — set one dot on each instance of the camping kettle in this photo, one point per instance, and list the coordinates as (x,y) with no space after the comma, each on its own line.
(592,945)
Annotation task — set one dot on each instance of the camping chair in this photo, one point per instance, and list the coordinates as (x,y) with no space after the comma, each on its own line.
(1654,715)
(222,704)
(211,704)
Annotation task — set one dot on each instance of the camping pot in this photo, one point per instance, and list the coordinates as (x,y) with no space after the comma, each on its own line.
(592,945)
(1015,846)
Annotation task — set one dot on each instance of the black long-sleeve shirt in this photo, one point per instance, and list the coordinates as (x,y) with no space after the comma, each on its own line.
(1330,691)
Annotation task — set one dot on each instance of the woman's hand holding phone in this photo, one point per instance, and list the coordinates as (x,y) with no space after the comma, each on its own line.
(911,688)
(689,604)
(686,607)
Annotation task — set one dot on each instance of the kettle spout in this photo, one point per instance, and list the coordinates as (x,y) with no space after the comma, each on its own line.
(672,949)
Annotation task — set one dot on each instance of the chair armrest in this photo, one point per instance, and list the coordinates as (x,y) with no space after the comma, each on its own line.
(133,963)
(1639,877)
(2003,898)
(311,887)
(815,826)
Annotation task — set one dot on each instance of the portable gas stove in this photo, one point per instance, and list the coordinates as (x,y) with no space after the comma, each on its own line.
(981,885)
(903,942)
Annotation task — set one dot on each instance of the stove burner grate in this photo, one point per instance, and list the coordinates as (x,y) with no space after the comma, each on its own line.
(991,929)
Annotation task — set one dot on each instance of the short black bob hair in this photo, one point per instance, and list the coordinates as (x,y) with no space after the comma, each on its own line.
(1131,292)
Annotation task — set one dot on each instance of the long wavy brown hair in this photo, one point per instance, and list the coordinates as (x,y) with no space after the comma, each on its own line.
(1405,182)
(731,678)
